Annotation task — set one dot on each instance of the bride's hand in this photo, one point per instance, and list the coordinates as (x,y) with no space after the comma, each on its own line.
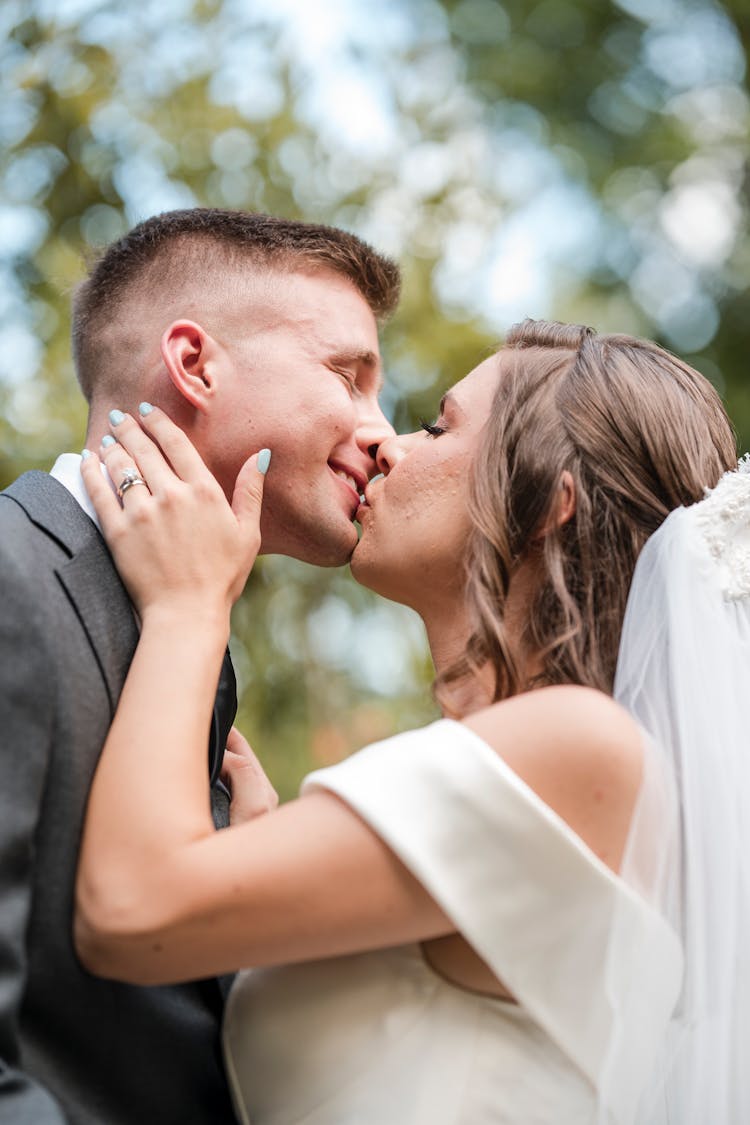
(178,544)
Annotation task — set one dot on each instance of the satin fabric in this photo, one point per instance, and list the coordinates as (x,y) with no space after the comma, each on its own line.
(379,1037)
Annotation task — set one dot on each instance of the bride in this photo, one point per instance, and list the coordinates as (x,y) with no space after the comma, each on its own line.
(483,920)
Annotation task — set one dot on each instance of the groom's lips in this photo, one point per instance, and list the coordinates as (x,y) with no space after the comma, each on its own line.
(352,480)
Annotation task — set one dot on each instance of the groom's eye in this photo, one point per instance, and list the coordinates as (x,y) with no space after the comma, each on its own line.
(348,377)
(432,428)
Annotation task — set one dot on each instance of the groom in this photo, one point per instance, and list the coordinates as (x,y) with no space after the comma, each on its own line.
(249,331)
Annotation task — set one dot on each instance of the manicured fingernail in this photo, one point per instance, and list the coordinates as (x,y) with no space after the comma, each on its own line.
(108,440)
(116,416)
(144,409)
(85,453)
(376,477)
(264,460)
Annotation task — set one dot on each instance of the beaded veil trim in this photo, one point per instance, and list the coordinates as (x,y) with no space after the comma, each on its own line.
(724,519)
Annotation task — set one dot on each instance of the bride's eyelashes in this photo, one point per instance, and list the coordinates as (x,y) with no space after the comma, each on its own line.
(432,428)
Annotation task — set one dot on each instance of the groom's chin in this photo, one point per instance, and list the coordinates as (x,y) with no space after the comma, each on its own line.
(329,547)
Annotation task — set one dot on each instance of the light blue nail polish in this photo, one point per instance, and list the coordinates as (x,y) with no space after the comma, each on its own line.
(264,460)
(116,416)
(144,409)
(85,453)
(108,440)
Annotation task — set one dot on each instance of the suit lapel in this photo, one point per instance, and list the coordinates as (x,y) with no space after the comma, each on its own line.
(88,577)
(99,598)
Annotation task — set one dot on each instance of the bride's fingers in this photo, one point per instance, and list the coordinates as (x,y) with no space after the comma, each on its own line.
(247,501)
(177,447)
(106,504)
(142,449)
(125,473)
(247,497)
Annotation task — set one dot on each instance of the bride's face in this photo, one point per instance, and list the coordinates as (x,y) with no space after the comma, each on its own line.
(415,524)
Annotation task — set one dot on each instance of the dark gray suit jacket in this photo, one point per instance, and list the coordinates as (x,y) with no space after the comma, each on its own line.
(74,1048)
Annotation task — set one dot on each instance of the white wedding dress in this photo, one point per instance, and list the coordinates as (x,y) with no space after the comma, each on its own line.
(380,1039)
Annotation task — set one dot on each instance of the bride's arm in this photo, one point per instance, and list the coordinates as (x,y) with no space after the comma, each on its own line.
(161,897)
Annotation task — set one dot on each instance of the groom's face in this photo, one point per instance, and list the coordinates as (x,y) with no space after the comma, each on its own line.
(303,380)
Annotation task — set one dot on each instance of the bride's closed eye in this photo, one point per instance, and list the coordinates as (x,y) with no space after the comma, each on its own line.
(432,428)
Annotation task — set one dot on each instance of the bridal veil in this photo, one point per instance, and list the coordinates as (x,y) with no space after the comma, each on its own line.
(684,673)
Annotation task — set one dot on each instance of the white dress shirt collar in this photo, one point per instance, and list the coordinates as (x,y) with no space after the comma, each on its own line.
(67,470)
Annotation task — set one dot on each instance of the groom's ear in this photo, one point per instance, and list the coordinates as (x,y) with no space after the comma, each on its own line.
(191,358)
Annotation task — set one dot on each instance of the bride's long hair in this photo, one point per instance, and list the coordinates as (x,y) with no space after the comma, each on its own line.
(641,433)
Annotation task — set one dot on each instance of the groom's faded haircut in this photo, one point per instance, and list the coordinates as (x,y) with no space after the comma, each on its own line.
(160,253)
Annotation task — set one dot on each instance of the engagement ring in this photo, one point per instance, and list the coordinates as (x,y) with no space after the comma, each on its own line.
(130,477)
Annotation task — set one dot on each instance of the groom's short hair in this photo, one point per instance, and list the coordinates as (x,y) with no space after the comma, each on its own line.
(159,254)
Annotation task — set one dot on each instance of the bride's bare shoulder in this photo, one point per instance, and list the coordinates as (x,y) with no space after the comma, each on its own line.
(579,750)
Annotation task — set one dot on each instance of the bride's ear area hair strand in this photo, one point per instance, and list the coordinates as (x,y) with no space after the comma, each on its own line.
(562,507)
(566,507)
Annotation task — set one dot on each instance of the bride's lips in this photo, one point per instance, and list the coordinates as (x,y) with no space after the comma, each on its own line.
(367,498)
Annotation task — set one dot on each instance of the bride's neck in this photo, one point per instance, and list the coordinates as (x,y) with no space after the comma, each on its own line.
(448,633)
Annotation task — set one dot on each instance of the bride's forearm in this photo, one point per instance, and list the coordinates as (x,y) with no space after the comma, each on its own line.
(150,793)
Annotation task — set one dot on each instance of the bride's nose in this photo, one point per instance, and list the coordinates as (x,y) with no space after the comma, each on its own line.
(390,453)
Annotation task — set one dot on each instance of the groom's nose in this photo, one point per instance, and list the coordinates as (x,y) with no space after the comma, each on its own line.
(373,428)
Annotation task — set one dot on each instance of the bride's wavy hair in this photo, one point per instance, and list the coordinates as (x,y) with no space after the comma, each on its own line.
(640,433)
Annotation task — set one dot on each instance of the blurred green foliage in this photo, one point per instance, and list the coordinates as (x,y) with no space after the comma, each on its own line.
(592,155)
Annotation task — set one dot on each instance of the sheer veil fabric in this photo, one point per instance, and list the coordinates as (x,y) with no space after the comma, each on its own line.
(684,673)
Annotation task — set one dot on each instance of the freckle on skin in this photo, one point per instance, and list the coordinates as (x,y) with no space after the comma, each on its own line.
(598,795)
(157,947)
